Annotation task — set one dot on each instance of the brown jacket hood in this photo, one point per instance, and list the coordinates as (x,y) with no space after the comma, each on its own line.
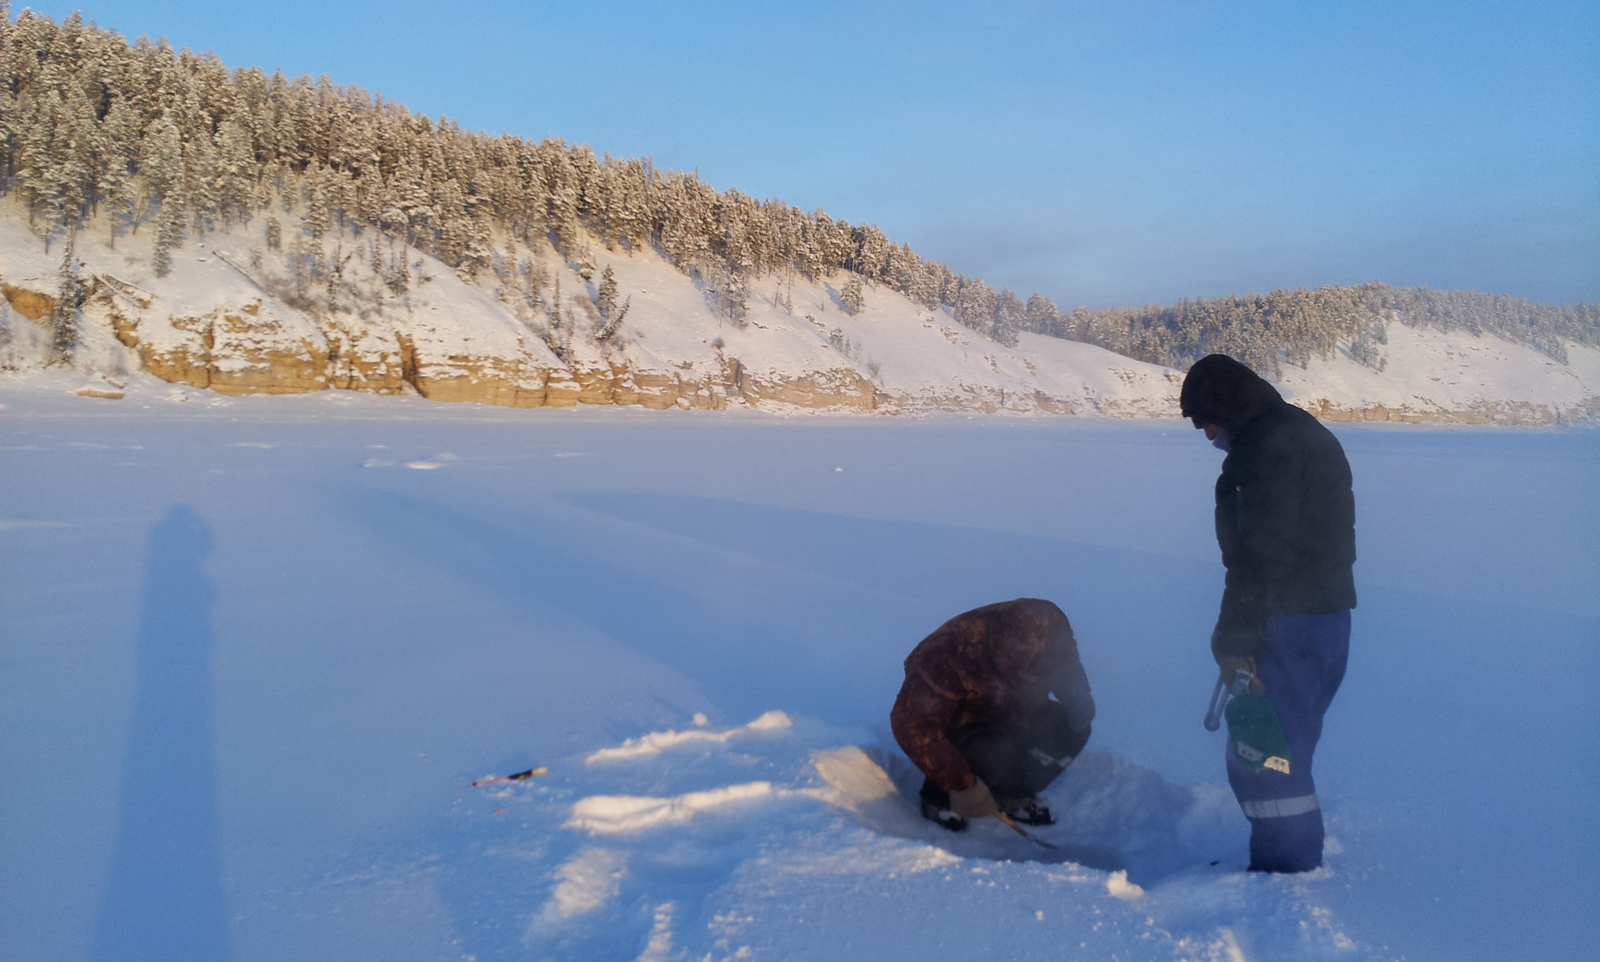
(987,666)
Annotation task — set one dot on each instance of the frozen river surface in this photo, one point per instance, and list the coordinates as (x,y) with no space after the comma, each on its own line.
(252,651)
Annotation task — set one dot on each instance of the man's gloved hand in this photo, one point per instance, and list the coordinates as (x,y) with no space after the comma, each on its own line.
(1228,664)
(973,802)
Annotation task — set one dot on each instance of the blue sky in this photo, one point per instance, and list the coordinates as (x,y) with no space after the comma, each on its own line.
(1101,153)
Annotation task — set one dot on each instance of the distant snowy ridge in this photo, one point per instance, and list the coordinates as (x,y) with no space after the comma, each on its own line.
(225,318)
(250,233)
(1433,375)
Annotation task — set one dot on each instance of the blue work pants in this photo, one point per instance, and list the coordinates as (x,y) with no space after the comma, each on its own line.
(1301,664)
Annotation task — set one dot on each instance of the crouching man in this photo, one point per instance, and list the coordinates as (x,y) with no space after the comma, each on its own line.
(976,714)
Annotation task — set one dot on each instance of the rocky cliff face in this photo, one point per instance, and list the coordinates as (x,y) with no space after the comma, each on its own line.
(235,318)
(1513,413)
(258,347)
(254,348)
(238,317)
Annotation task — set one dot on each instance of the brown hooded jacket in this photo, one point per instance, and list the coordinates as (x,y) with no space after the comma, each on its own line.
(990,666)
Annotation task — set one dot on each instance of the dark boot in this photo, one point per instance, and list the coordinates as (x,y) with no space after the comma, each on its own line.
(1026,811)
(936,808)
(1020,764)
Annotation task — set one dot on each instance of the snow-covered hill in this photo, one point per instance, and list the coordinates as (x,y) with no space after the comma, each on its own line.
(239,316)
(1432,375)
(223,319)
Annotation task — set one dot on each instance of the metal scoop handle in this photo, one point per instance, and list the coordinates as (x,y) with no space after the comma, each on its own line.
(1219,700)
(1220,696)
(1006,819)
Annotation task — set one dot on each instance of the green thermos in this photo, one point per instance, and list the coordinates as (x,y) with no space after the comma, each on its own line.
(1254,736)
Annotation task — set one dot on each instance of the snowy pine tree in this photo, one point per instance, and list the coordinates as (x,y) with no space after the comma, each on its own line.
(605,301)
(93,126)
(851,297)
(64,317)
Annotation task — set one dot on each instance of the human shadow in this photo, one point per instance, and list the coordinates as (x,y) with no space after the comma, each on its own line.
(164,899)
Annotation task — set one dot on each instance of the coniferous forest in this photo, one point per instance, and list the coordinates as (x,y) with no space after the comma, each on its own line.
(138,137)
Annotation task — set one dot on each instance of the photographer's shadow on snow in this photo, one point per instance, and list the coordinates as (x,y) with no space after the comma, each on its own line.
(164,898)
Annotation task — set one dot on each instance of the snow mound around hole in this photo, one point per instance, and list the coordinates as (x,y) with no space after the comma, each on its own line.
(1111,815)
(615,814)
(655,743)
(586,882)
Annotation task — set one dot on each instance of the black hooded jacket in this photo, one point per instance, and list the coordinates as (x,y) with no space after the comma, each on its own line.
(1285,510)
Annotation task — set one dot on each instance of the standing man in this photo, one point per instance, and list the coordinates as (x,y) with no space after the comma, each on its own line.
(1286,525)
(976,715)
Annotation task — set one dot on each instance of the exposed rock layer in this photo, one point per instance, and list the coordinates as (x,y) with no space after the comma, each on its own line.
(33,305)
(260,347)
(1517,413)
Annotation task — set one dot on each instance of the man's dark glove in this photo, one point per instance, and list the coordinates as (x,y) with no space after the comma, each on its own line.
(1241,625)
(1230,664)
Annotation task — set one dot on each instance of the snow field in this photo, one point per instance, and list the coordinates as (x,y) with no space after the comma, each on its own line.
(641,600)
(790,851)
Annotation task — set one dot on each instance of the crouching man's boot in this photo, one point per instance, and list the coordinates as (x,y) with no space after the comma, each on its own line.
(1026,811)
(974,801)
(936,808)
